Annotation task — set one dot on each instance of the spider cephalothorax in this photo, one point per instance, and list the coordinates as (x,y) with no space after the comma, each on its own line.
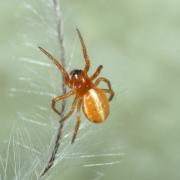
(80,82)
(76,72)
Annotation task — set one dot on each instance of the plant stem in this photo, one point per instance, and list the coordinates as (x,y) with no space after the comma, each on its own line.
(63,87)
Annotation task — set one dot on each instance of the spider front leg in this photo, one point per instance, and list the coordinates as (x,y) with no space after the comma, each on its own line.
(86,69)
(58,64)
(59,98)
(96,73)
(109,90)
(77,122)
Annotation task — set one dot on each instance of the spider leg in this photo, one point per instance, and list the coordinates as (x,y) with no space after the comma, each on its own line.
(110,92)
(58,137)
(77,122)
(86,69)
(71,110)
(96,73)
(58,98)
(108,84)
(59,66)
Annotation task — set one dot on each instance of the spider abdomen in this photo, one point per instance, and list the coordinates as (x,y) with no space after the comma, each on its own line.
(95,105)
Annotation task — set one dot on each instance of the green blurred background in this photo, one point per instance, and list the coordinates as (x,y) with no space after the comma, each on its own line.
(138,42)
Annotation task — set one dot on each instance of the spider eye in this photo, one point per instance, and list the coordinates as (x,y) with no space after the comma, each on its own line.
(76,72)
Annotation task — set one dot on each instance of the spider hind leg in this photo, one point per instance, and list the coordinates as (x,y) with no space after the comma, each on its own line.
(109,90)
(73,107)
(77,125)
(59,98)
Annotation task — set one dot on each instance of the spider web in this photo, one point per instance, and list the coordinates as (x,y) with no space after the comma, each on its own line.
(31,139)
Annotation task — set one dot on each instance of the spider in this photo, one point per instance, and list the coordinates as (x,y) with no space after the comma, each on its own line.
(87,95)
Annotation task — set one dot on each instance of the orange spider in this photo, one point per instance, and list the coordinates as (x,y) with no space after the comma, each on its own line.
(92,99)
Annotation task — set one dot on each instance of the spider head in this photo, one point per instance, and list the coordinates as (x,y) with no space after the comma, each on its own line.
(80,81)
(76,74)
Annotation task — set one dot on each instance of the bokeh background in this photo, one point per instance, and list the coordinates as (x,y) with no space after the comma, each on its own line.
(138,42)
